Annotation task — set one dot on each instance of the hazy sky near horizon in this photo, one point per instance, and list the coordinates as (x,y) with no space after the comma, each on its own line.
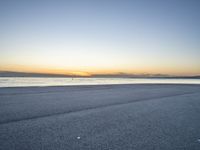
(100,36)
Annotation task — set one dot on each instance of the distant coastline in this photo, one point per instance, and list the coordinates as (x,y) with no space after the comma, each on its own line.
(119,75)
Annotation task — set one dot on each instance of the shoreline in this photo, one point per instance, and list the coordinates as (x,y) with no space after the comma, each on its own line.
(89,85)
(46,82)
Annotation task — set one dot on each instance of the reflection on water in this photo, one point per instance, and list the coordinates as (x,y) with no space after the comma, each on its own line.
(24,81)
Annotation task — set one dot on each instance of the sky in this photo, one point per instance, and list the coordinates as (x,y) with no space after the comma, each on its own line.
(100,36)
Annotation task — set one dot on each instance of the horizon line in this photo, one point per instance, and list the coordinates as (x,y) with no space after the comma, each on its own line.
(4,73)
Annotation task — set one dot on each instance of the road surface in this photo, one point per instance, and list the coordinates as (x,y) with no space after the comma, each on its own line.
(103,117)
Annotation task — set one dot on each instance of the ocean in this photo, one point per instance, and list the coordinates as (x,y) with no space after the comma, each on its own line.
(38,81)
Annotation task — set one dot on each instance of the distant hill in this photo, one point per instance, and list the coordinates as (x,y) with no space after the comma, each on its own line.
(27,74)
(126,75)
(116,75)
(143,76)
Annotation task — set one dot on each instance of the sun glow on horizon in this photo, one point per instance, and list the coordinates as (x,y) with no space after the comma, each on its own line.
(91,71)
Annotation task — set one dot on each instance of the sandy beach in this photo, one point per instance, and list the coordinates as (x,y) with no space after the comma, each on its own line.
(102,117)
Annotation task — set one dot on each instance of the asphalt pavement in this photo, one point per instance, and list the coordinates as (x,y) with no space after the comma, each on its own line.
(104,117)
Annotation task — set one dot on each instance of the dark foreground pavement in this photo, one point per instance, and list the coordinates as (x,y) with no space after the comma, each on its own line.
(106,117)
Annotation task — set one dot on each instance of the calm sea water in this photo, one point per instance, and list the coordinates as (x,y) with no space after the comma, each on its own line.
(27,81)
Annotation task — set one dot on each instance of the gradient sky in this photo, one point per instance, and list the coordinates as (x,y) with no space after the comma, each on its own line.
(100,36)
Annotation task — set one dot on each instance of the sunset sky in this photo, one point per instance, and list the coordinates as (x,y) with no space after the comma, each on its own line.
(100,36)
